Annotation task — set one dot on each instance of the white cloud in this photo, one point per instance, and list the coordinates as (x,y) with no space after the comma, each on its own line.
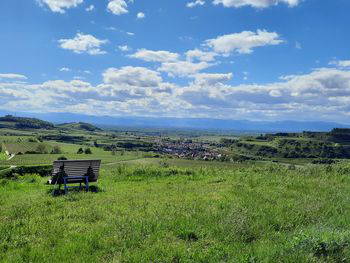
(195,3)
(340,63)
(83,44)
(59,6)
(118,7)
(64,69)
(255,3)
(183,68)
(130,33)
(200,55)
(132,76)
(210,79)
(243,42)
(90,8)
(12,76)
(323,94)
(298,45)
(140,15)
(124,48)
(155,56)
(111,28)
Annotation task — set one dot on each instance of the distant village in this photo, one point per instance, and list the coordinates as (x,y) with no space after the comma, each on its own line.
(188,149)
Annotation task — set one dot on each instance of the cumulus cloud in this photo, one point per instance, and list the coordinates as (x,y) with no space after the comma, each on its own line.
(140,15)
(155,56)
(183,68)
(319,91)
(64,69)
(118,7)
(133,76)
(200,55)
(321,94)
(340,63)
(195,3)
(59,6)
(243,42)
(211,79)
(90,8)
(12,76)
(124,48)
(83,44)
(255,3)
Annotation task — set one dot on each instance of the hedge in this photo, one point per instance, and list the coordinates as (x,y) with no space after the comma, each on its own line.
(42,170)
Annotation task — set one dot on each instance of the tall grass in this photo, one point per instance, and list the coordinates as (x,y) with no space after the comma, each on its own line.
(257,213)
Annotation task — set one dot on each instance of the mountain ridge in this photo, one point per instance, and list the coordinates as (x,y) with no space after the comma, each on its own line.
(185,123)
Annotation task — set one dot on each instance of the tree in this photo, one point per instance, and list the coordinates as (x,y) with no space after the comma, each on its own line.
(80,151)
(88,151)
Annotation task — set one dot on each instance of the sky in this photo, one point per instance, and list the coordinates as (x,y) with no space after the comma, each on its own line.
(225,59)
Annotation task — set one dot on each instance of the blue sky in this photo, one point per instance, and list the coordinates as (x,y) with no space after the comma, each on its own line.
(226,59)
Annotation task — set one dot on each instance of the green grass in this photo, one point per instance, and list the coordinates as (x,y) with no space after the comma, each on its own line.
(4,167)
(3,156)
(182,213)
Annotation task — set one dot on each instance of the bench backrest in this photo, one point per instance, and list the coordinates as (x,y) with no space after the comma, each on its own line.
(77,167)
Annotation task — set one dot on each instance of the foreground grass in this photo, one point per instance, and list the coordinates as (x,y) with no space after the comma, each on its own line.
(264,213)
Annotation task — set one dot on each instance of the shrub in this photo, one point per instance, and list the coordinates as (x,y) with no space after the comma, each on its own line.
(43,170)
(88,151)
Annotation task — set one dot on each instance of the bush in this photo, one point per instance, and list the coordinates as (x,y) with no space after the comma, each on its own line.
(43,170)
(80,151)
(88,151)
(62,158)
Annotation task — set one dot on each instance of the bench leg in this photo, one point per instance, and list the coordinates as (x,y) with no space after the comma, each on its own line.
(87,183)
(65,186)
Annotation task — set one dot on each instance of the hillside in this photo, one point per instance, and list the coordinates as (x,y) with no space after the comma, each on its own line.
(13,122)
(79,126)
(333,145)
(152,213)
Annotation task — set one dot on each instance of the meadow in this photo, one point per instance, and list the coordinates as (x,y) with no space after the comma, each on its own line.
(159,210)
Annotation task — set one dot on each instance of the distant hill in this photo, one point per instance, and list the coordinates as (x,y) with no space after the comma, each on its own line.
(78,126)
(190,123)
(10,121)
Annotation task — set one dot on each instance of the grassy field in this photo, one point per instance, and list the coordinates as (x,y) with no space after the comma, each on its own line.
(152,210)
(3,156)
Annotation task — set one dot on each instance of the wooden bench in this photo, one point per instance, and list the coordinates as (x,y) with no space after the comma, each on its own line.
(75,171)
